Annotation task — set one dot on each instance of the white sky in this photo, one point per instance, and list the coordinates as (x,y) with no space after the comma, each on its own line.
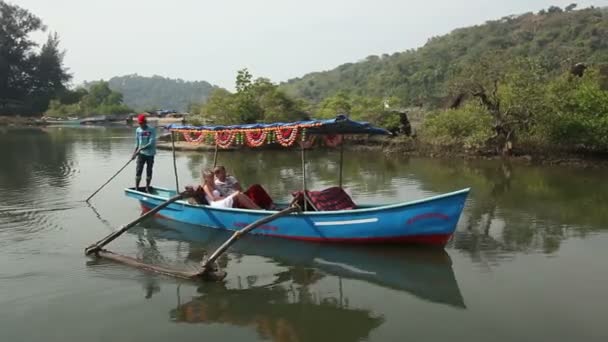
(278,39)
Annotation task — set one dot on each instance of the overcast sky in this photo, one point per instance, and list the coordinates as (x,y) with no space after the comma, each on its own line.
(278,39)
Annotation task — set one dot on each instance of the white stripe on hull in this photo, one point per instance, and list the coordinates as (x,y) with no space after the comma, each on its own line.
(340,223)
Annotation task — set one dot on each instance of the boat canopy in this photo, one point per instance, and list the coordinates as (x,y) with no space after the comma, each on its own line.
(284,133)
(339,125)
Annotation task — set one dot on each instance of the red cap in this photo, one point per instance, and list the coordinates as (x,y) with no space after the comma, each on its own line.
(141,118)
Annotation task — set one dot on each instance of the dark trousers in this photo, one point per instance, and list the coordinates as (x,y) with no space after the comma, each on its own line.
(141,160)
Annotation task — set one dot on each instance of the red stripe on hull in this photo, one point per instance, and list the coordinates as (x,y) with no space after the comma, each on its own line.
(434,239)
(145,209)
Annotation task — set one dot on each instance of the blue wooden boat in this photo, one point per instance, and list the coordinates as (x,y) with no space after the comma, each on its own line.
(425,221)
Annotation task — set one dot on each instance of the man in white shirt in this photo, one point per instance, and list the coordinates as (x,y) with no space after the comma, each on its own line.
(225,184)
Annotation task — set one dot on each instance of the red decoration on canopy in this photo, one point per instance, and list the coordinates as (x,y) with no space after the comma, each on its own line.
(255,138)
(224,139)
(332,140)
(286,136)
(192,140)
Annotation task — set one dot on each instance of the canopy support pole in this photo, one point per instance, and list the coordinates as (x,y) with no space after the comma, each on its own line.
(174,163)
(341,159)
(304,176)
(215,155)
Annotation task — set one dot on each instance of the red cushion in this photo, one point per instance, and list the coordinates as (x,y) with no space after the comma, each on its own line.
(259,196)
(334,198)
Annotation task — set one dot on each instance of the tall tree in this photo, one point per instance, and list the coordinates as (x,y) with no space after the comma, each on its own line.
(27,79)
(16,54)
(50,76)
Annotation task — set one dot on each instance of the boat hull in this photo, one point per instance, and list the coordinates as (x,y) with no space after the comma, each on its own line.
(430,221)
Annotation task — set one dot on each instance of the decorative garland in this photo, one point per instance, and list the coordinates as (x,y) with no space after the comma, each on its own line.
(224,139)
(332,140)
(256,138)
(191,140)
(286,136)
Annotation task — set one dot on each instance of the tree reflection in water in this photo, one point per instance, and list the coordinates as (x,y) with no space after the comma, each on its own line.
(285,311)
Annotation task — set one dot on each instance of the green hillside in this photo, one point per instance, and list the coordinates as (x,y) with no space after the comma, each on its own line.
(558,37)
(156,92)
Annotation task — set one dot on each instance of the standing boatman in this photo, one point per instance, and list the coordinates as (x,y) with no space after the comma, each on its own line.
(145,149)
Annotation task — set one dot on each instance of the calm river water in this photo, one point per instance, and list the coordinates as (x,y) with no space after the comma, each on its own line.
(529,261)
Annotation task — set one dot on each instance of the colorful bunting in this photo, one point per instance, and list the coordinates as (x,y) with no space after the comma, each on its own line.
(253,137)
(191,140)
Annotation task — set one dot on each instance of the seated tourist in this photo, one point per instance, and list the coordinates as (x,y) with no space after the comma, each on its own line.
(224,183)
(215,198)
(228,184)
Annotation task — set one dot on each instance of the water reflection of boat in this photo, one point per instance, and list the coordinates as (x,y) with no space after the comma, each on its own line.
(424,273)
(278,313)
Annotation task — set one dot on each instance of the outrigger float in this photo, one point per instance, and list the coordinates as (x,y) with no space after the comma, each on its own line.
(325,216)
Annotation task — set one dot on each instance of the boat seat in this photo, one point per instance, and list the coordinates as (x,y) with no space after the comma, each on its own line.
(330,199)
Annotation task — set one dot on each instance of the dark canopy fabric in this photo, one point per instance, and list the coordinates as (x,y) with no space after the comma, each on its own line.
(339,125)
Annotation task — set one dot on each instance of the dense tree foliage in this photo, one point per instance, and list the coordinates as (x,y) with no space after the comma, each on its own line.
(28,78)
(532,78)
(156,92)
(518,103)
(256,100)
(421,76)
(99,99)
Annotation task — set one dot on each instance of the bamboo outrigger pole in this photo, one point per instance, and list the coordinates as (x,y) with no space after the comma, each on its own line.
(208,270)
(112,236)
(206,264)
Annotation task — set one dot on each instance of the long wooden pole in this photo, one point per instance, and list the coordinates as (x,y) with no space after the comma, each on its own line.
(237,235)
(174,162)
(341,158)
(96,247)
(109,180)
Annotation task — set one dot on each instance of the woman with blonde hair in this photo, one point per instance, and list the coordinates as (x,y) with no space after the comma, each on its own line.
(216,200)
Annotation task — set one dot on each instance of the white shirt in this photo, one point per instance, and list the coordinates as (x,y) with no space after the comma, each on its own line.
(227,187)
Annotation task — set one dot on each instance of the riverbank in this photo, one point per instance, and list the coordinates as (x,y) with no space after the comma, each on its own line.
(526,153)
(20,121)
